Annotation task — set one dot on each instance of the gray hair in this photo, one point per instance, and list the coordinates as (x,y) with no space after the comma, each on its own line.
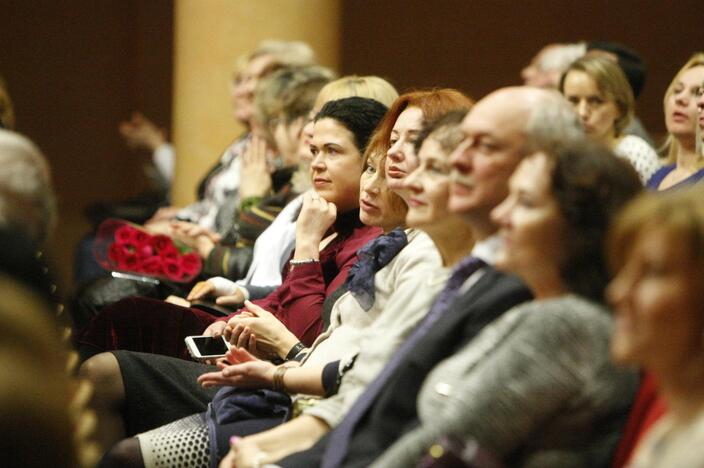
(27,199)
(287,53)
(290,92)
(552,122)
(561,56)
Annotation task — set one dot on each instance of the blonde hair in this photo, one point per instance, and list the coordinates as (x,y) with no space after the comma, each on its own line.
(671,146)
(611,82)
(372,87)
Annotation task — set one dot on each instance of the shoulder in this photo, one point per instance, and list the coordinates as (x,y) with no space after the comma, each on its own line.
(635,146)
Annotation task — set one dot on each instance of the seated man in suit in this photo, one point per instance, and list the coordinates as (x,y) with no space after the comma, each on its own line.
(502,128)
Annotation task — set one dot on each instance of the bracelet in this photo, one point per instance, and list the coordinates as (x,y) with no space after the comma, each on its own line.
(297,348)
(278,380)
(294,263)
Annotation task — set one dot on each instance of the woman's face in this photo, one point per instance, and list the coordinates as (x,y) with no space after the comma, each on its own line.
(597,112)
(401,158)
(336,165)
(375,199)
(531,226)
(244,84)
(658,302)
(681,104)
(428,186)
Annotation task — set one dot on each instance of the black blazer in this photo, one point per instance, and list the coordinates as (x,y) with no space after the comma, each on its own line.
(394,411)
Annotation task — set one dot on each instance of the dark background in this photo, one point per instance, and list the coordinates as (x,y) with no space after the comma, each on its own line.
(76,68)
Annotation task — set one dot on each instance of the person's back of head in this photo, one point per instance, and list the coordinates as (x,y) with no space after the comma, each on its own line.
(26,195)
(372,87)
(285,53)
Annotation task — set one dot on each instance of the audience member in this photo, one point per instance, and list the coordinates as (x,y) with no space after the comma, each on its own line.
(683,165)
(601,95)
(656,249)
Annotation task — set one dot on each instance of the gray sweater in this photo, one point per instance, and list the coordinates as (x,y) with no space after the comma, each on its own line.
(536,388)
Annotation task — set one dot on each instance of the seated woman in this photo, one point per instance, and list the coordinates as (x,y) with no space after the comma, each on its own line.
(684,165)
(367,321)
(147,325)
(657,250)
(536,387)
(326,246)
(603,98)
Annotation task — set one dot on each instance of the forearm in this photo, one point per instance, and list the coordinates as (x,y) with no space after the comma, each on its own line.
(305,379)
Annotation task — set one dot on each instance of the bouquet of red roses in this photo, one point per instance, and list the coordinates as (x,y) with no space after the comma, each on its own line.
(123,246)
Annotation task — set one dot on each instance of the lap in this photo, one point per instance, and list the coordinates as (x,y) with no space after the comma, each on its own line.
(160,389)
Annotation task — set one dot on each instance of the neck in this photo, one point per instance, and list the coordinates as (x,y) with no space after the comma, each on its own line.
(687,157)
(388,229)
(682,386)
(453,239)
(481,226)
(611,140)
(545,284)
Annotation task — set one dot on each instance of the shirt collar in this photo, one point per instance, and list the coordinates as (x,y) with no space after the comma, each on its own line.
(487,249)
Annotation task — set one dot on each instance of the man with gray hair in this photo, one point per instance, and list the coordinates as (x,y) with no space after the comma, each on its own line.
(545,69)
(26,195)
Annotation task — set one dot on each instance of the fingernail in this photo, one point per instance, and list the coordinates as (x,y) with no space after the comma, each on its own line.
(234,440)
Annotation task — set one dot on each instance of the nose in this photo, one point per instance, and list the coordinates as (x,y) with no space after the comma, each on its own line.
(318,162)
(395,152)
(412,181)
(461,157)
(499,215)
(583,110)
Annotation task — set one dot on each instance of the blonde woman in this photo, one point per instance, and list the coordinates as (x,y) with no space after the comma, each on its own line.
(602,97)
(684,165)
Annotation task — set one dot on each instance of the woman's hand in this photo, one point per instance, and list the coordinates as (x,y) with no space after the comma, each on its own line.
(316,217)
(201,290)
(141,133)
(215,328)
(255,178)
(176,300)
(194,236)
(244,453)
(243,371)
(260,332)
(236,298)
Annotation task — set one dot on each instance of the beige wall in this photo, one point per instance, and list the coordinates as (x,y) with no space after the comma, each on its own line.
(208,37)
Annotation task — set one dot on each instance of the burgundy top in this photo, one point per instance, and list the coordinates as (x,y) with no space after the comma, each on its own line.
(298,302)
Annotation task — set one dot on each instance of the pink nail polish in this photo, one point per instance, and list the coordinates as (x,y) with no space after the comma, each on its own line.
(234,440)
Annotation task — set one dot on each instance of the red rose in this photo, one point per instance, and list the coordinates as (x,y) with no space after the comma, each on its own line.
(169,252)
(140,237)
(190,263)
(115,253)
(125,234)
(160,242)
(153,265)
(145,251)
(172,269)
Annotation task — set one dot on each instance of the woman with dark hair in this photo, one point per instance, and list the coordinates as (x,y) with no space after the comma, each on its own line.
(536,387)
(159,389)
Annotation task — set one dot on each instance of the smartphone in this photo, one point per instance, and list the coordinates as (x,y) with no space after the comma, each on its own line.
(202,348)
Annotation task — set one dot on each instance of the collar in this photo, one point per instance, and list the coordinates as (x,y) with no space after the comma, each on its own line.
(487,249)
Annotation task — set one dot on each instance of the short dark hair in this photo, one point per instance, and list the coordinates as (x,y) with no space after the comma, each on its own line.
(448,119)
(629,60)
(591,185)
(359,115)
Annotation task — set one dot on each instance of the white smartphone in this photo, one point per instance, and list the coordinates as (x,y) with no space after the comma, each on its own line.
(202,348)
